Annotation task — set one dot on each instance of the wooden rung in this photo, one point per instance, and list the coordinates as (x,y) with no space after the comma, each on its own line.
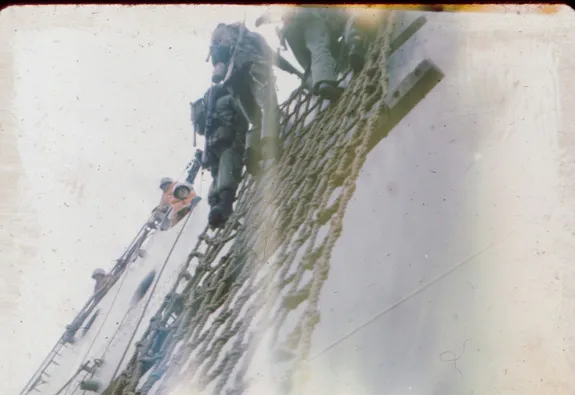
(407,33)
(414,87)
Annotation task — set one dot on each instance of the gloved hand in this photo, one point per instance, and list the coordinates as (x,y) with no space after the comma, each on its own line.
(281,36)
(219,73)
(159,213)
(260,21)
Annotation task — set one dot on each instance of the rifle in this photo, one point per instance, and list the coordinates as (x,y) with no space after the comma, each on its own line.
(196,164)
(208,109)
(197,110)
(192,115)
(233,57)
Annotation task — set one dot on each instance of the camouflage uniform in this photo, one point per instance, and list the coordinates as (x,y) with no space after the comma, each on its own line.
(312,34)
(225,143)
(252,81)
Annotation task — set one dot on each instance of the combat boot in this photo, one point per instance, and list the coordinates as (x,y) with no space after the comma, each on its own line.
(220,213)
(213,199)
(329,91)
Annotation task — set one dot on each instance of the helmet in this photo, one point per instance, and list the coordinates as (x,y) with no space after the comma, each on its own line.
(182,191)
(165,180)
(98,272)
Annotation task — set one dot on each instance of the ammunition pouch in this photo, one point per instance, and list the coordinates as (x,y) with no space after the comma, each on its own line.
(222,136)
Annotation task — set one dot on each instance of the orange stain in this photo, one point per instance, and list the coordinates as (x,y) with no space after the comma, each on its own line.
(524,9)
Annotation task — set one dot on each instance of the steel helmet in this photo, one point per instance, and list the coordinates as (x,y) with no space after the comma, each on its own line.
(98,272)
(165,180)
(182,191)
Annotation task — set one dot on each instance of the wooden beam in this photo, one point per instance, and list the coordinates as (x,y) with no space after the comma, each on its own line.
(414,87)
(407,33)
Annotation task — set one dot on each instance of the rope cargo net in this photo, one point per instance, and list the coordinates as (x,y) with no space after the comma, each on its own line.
(271,259)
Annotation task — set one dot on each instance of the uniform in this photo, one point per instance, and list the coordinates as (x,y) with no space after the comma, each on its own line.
(100,283)
(180,207)
(312,34)
(249,68)
(359,31)
(219,118)
(102,279)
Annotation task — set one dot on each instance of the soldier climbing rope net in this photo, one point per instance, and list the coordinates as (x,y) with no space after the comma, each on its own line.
(273,254)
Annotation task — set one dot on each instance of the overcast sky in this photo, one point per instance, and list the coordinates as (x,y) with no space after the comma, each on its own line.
(94,111)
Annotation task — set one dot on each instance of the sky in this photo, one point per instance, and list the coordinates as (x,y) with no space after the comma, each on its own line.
(95,110)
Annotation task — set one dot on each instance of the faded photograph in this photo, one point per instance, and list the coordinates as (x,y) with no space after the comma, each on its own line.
(226,199)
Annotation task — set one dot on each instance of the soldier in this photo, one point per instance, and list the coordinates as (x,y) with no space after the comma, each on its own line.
(360,29)
(244,61)
(219,118)
(312,34)
(179,197)
(101,278)
(159,213)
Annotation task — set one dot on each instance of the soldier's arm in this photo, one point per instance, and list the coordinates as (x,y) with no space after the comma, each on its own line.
(265,18)
(277,59)
(260,42)
(286,66)
(198,116)
(164,202)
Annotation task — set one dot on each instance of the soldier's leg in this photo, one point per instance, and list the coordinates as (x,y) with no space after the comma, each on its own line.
(252,154)
(253,112)
(323,65)
(354,45)
(263,89)
(213,194)
(293,34)
(228,180)
(336,19)
(359,30)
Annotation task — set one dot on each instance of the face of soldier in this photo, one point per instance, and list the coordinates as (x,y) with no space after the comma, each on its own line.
(222,35)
